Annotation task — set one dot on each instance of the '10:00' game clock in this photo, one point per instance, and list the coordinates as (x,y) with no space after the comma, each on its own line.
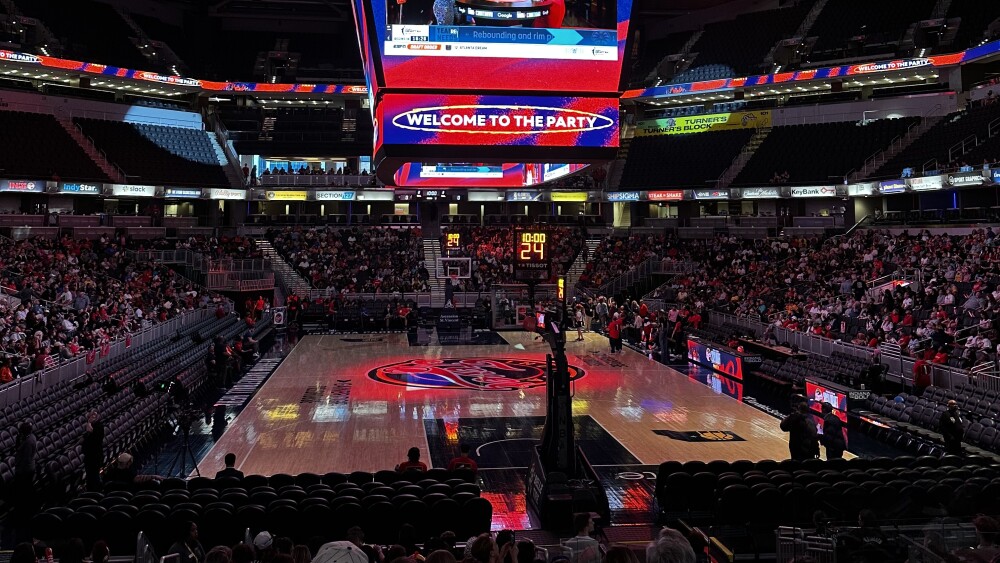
(532,257)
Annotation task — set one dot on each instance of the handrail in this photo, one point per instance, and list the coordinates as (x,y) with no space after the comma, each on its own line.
(961,145)
(934,165)
(993,128)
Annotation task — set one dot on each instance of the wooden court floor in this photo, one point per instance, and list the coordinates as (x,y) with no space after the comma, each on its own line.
(358,402)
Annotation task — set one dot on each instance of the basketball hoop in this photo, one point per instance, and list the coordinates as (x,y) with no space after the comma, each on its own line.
(454,279)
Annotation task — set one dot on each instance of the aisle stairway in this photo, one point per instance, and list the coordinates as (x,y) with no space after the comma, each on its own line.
(580,264)
(743,158)
(286,276)
(432,251)
(88,146)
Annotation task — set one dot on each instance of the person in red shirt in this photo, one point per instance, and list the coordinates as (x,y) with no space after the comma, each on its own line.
(557,13)
(615,334)
(695,320)
(463,461)
(921,377)
(403,313)
(941,357)
(412,462)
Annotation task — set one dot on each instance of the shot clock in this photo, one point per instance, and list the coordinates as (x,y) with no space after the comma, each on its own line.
(532,260)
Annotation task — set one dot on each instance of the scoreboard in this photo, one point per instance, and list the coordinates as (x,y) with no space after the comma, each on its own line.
(532,257)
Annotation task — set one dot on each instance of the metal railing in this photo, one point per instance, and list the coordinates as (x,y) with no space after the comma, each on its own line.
(962,147)
(317,180)
(67,371)
(806,342)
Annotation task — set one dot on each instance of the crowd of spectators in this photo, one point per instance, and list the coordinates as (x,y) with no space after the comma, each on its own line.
(492,252)
(370,260)
(235,247)
(65,297)
(617,255)
(945,310)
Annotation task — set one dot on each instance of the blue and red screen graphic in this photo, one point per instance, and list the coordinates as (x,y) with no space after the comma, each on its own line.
(419,119)
(525,45)
(720,361)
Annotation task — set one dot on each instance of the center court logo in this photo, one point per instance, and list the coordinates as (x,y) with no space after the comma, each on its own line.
(501,120)
(490,374)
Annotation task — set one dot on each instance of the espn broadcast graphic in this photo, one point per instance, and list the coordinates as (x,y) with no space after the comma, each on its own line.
(546,45)
(505,175)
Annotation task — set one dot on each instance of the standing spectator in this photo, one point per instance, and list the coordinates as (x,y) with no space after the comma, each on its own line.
(952,428)
(615,334)
(833,433)
(578,321)
(93,450)
(802,442)
(412,462)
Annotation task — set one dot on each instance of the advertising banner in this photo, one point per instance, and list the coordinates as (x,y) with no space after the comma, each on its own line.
(759,193)
(524,196)
(22,186)
(814,191)
(335,196)
(665,195)
(76,188)
(623,196)
(568,196)
(926,183)
(892,187)
(711,194)
(963,179)
(182,193)
(419,119)
(863,189)
(995,175)
(132,190)
(286,195)
(226,193)
(702,123)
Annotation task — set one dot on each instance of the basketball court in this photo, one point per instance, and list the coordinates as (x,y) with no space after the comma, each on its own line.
(349,402)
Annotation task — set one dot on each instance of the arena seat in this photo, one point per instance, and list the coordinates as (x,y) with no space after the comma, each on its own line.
(158,154)
(29,153)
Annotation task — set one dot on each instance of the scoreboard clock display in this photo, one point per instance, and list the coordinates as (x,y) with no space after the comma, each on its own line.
(532,259)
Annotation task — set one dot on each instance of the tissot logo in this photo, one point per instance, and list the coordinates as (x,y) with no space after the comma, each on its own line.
(489,374)
(501,120)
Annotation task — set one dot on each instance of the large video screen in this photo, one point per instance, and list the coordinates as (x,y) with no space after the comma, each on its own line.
(550,45)
(441,120)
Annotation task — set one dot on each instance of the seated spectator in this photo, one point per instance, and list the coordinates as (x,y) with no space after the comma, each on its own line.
(670,546)
(585,548)
(187,548)
(412,462)
(124,472)
(463,461)
(230,470)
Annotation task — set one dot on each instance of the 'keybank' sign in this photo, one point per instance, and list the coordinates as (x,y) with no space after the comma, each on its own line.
(499,120)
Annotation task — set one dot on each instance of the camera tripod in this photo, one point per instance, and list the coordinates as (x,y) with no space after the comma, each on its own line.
(183,455)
